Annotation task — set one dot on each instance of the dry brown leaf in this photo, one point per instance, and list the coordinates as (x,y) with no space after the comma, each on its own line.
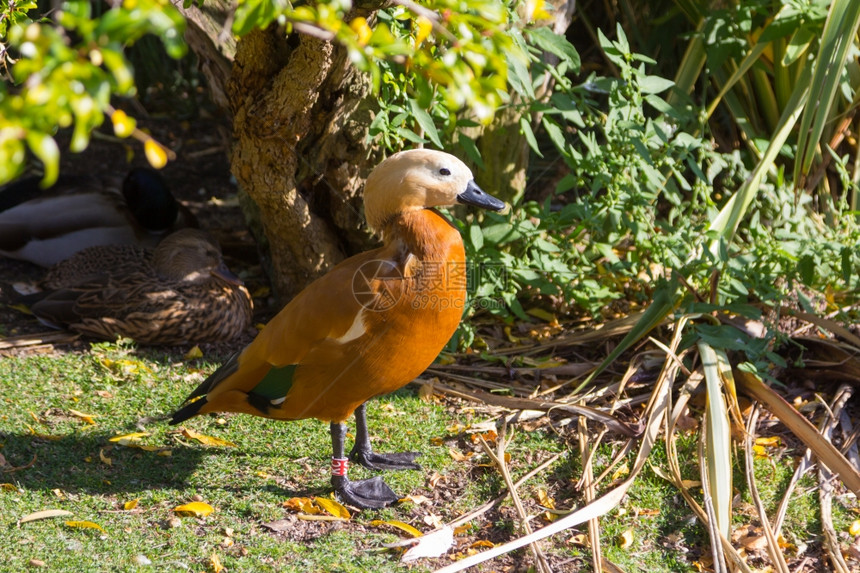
(425,391)
(279,525)
(433,520)
(44,514)
(417,499)
(435,479)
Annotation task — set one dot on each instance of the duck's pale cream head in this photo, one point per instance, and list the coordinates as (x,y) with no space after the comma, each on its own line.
(417,179)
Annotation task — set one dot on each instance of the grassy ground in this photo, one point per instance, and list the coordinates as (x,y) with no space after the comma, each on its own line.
(67,461)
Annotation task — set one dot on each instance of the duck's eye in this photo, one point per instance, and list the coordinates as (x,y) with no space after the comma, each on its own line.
(444,171)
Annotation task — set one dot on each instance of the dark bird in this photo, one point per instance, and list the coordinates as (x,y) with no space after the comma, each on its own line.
(46,226)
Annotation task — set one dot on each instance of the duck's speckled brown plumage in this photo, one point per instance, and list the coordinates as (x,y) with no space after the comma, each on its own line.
(175,294)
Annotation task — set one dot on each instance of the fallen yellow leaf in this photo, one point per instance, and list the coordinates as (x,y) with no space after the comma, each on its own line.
(620,472)
(195,508)
(855,528)
(84,524)
(215,563)
(131,504)
(482,543)
(333,507)
(195,352)
(459,456)
(125,438)
(399,525)
(417,499)
(8,487)
(544,499)
(302,504)
(625,540)
(45,514)
(105,460)
(770,442)
(206,440)
(88,418)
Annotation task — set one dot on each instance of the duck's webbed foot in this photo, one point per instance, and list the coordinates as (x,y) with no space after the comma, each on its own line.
(394,461)
(363,454)
(370,493)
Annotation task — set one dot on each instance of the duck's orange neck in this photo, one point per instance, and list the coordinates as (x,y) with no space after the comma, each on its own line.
(425,234)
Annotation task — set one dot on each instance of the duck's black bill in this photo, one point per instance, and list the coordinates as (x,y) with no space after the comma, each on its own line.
(474,195)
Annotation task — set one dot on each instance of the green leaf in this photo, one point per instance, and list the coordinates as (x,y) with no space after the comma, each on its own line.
(554,132)
(847,267)
(45,148)
(526,128)
(426,122)
(654,84)
(549,41)
(476,236)
(520,79)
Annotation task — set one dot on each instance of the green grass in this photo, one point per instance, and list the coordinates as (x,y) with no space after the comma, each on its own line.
(131,391)
(246,484)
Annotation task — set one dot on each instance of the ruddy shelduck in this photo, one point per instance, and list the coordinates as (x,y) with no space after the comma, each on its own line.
(366,328)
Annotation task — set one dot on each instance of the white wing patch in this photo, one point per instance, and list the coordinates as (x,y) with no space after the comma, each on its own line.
(357,329)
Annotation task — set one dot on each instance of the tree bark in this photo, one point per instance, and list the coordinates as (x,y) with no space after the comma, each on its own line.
(301,113)
(298,151)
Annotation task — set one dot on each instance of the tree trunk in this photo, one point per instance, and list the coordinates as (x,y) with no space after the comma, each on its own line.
(300,152)
(301,113)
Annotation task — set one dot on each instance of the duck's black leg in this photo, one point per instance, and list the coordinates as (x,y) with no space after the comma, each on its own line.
(363,454)
(366,494)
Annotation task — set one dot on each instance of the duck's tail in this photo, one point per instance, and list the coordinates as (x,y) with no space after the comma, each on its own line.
(188,411)
(197,399)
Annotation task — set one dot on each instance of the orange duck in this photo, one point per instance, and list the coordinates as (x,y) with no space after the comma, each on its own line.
(368,327)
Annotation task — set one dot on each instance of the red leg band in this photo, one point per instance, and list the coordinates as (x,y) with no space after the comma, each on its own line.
(339,466)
